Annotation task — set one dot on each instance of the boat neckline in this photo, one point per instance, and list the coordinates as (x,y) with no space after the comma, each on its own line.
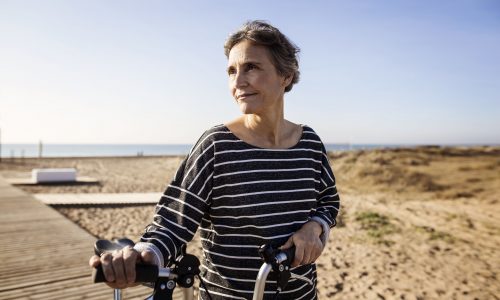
(258,147)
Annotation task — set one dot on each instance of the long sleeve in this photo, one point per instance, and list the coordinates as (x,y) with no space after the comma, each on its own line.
(328,200)
(183,204)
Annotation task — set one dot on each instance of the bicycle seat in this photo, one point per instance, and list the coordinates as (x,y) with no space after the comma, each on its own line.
(103,246)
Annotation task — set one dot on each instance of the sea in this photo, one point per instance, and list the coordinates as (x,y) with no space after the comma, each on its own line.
(102,150)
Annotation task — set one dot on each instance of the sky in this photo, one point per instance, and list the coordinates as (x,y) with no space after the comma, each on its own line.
(154,72)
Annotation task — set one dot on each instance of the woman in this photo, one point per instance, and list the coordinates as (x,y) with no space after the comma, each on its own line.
(256,179)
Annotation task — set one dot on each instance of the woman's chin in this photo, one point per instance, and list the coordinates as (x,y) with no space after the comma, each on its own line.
(247,109)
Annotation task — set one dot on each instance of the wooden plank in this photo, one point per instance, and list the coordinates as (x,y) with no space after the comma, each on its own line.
(9,192)
(44,255)
(78,288)
(80,180)
(99,199)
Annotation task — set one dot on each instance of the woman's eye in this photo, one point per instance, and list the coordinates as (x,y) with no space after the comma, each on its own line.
(251,67)
(230,72)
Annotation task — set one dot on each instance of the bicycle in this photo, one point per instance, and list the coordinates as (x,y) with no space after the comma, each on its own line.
(186,267)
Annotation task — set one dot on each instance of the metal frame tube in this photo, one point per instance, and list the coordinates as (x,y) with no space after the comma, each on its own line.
(260,283)
(166,273)
(188,293)
(118,294)
(281,257)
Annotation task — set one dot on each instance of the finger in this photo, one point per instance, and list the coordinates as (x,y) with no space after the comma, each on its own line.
(129,260)
(306,257)
(288,244)
(316,251)
(299,254)
(94,261)
(148,257)
(107,267)
(118,268)
(112,285)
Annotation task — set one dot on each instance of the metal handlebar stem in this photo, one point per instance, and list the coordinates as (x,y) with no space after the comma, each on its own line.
(188,293)
(118,294)
(264,271)
(279,262)
(260,283)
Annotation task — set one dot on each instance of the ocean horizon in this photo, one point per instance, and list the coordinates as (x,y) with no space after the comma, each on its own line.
(99,150)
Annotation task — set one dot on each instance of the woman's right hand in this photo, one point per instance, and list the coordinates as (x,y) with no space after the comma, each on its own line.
(119,266)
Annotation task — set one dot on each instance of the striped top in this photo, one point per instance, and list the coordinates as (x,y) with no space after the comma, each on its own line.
(241,196)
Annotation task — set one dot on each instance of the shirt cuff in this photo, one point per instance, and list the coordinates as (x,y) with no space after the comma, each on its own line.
(141,246)
(326,229)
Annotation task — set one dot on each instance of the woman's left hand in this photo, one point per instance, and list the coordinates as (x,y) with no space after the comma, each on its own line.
(308,245)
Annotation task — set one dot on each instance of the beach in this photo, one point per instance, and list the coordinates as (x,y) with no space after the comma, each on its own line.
(415,223)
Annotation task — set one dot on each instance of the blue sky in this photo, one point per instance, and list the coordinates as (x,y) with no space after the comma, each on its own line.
(391,72)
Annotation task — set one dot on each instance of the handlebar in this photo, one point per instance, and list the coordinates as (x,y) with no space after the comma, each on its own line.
(143,273)
(187,266)
(181,273)
(286,255)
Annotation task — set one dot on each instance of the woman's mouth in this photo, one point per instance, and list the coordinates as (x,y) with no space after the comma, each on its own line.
(245,95)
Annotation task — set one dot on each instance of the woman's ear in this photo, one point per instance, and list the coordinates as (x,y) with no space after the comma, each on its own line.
(287,80)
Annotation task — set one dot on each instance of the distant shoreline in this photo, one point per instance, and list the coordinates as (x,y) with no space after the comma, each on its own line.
(17,151)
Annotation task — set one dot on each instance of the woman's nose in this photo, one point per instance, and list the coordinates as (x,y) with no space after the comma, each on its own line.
(240,79)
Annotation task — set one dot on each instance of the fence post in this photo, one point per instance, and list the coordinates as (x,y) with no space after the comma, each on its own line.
(40,149)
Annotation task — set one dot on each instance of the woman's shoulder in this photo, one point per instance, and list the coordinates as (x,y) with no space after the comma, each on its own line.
(206,140)
(310,133)
(217,132)
(313,139)
(212,134)
(215,129)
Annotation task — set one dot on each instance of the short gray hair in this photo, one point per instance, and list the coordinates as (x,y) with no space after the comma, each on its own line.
(284,53)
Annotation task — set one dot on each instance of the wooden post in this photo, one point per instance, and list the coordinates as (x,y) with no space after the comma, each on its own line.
(40,149)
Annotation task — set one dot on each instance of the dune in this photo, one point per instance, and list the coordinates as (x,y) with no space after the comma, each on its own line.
(415,223)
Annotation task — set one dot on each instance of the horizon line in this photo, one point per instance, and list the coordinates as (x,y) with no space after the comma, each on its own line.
(326,143)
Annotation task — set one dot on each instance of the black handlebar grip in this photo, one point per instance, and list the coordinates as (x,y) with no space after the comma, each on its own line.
(98,275)
(143,273)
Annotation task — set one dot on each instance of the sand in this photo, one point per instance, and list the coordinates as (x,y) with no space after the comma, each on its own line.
(417,223)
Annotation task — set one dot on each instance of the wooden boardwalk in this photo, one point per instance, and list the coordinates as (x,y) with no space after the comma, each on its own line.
(98,199)
(44,255)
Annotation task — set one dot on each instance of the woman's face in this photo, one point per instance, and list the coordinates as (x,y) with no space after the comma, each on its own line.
(253,80)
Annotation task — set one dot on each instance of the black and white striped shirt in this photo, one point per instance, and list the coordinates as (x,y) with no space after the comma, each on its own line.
(241,196)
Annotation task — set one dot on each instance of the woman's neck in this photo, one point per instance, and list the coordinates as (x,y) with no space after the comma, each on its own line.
(271,130)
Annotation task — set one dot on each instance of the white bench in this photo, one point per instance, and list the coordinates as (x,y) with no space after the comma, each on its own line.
(53,175)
